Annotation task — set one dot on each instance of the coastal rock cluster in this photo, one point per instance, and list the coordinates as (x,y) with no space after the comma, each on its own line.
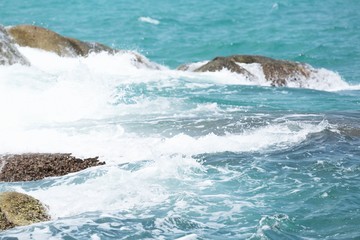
(277,72)
(18,209)
(36,166)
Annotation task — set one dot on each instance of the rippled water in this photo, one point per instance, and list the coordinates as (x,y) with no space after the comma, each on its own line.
(189,155)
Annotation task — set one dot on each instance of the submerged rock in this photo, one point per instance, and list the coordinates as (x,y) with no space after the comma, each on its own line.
(45,39)
(17,209)
(278,72)
(8,52)
(36,166)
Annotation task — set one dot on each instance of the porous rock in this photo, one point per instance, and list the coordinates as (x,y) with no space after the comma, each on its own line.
(9,54)
(36,166)
(18,209)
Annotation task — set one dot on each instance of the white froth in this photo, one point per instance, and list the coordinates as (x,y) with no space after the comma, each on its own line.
(117,189)
(188,237)
(321,79)
(257,71)
(281,135)
(149,20)
(66,104)
(74,105)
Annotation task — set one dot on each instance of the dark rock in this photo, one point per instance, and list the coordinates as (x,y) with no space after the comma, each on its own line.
(220,63)
(36,166)
(8,52)
(18,209)
(278,72)
(42,38)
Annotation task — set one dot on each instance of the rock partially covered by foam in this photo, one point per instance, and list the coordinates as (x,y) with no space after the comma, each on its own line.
(45,39)
(18,209)
(278,72)
(36,166)
(8,52)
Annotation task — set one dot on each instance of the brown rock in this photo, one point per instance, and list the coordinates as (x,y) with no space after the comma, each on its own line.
(42,38)
(220,63)
(278,72)
(36,166)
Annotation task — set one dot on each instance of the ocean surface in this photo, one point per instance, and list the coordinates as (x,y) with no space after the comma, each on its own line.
(189,155)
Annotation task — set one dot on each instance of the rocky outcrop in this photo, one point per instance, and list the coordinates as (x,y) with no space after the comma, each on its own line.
(278,72)
(45,39)
(36,166)
(17,209)
(8,52)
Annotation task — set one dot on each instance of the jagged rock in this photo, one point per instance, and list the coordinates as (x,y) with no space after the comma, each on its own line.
(42,38)
(18,209)
(8,52)
(278,72)
(36,166)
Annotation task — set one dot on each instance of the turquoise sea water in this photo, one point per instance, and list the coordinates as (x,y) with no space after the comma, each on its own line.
(189,155)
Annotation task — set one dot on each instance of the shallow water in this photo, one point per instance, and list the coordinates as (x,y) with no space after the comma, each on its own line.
(190,155)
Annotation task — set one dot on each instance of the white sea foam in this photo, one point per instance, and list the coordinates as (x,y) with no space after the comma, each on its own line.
(188,237)
(321,79)
(149,20)
(114,145)
(51,100)
(117,189)
(74,105)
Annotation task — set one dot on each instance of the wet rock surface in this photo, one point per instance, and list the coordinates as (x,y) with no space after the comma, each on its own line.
(9,54)
(219,63)
(18,209)
(278,72)
(45,39)
(36,166)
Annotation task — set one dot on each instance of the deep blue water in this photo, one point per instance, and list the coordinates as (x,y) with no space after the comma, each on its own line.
(193,156)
